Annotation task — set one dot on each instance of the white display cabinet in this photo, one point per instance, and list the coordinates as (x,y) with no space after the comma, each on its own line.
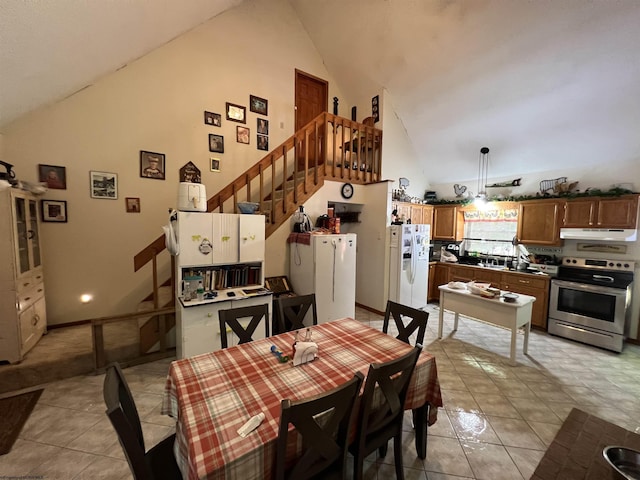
(23,316)
(225,251)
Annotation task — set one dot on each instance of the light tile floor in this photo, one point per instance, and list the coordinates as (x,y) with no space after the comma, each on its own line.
(496,422)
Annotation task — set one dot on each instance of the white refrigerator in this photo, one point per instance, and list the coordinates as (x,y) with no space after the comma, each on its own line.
(409,264)
(326,267)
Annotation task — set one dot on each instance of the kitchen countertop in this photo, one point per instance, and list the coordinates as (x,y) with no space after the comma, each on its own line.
(495,269)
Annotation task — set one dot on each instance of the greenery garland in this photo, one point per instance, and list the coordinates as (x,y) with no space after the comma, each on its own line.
(590,192)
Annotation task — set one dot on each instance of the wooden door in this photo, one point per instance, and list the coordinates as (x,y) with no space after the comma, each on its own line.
(311,99)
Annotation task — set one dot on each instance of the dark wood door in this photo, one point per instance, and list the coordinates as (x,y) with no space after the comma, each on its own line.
(311,100)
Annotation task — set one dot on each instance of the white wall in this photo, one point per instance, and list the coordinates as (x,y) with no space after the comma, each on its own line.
(602,177)
(372,261)
(156,103)
(399,156)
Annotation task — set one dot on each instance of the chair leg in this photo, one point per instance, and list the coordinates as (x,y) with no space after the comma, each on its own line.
(397,456)
(358,466)
(383,450)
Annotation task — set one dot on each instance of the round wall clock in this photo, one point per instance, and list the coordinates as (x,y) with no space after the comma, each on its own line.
(347,190)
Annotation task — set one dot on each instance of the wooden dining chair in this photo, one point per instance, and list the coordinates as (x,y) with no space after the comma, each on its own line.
(158,462)
(231,317)
(323,421)
(417,320)
(379,422)
(292,310)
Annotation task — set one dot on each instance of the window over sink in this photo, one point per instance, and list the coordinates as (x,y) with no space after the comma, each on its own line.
(490,232)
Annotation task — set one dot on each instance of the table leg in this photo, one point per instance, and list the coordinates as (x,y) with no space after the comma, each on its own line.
(527,329)
(420,419)
(514,336)
(455,321)
(440,316)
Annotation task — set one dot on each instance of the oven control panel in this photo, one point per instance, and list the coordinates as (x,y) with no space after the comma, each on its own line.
(600,264)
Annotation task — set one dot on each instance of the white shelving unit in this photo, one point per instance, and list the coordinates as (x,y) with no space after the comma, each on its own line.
(227,252)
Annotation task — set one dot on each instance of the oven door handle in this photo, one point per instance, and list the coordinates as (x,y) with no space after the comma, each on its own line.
(557,284)
(603,277)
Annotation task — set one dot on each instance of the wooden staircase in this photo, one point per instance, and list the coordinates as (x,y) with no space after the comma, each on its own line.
(327,148)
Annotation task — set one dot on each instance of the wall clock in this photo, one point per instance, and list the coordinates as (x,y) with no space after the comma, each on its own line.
(347,190)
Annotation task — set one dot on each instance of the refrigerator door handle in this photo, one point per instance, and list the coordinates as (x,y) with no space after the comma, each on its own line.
(414,258)
(333,275)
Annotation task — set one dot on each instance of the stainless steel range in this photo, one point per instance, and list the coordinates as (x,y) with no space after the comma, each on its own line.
(590,301)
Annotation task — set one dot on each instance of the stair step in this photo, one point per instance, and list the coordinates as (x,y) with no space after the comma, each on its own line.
(165,297)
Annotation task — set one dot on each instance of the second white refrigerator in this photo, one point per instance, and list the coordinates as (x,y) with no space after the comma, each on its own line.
(326,267)
(409,264)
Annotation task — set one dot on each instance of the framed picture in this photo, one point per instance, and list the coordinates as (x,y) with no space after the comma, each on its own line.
(258,105)
(375,108)
(236,113)
(53,175)
(211,118)
(190,173)
(103,185)
(263,126)
(152,165)
(215,164)
(54,211)
(242,135)
(263,142)
(132,204)
(216,143)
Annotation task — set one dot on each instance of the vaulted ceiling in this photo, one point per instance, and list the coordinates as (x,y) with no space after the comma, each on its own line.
(544,84)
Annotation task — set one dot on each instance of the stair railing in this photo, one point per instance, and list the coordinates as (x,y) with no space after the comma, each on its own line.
(329,147)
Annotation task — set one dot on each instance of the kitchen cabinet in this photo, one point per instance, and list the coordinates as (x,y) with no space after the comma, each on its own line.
(416,212)
(487,275)
(461,274)
(438,275)
(23,317)
(601,212)
(539,222)
(198,330)
(448,223)
(534,285)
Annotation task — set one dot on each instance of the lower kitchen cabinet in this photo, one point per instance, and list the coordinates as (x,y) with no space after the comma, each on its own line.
(198,326)
(536,286)
(438,275)
(525,283)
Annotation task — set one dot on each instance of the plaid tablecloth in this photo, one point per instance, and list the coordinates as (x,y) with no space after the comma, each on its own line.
(213,394)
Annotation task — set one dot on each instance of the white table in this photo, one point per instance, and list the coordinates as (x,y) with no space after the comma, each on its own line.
(491,310)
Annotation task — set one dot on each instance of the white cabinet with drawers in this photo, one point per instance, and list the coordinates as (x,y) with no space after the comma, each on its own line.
(23,317)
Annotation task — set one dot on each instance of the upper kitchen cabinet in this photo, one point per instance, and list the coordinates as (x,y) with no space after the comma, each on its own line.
(448,223)
(416,212)
(539,222)
(601,212)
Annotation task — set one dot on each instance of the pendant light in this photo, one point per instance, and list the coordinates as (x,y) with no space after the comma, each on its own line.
(483,170)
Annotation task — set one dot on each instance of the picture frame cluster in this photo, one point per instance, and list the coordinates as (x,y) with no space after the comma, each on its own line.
(152,165)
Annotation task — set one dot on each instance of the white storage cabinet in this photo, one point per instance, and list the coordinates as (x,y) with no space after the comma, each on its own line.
(23,317)
(227,251)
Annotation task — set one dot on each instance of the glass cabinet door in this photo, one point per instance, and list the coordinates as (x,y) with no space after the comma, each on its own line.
(22,243)
(34,234)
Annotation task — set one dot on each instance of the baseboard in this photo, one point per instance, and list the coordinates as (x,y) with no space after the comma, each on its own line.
(69,324)
(369,309)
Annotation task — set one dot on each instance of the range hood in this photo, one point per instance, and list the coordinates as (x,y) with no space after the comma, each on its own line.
(607,234)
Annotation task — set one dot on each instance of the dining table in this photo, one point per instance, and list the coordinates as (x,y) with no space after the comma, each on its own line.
(213,394)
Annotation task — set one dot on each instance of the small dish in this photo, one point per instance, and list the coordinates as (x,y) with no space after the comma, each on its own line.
(510,297)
